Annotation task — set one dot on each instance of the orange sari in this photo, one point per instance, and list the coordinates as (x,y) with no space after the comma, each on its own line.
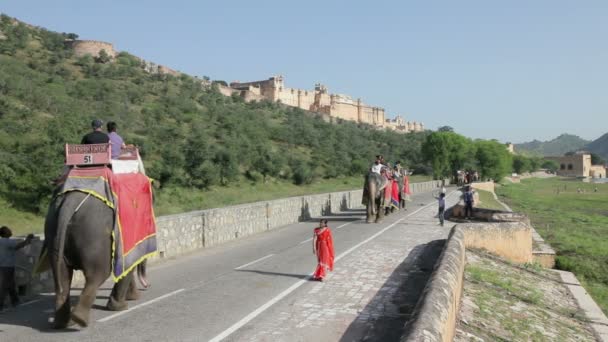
(325,251)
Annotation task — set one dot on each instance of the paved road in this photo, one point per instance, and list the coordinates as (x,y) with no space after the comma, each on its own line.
(257,288)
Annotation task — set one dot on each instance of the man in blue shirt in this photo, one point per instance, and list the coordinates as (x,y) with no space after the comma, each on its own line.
(468,202)
(8,250)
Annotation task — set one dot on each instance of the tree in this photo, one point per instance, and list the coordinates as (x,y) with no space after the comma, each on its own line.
(445,129)
(521,164)
(550,165)
(447,152)
(597,160)
(103,57)
(494,160)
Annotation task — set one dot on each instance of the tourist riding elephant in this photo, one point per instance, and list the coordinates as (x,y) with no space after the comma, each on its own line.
(78,231)
(373,197)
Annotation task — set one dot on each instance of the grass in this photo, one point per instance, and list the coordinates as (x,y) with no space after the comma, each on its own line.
(573,222)
(507,302)
(174,200)
(487,200)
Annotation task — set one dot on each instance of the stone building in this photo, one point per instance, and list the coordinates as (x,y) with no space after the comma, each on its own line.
(578,165)
(321,101)
(400,125)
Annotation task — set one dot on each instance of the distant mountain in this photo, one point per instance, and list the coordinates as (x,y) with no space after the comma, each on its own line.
(556,147)
(599,146)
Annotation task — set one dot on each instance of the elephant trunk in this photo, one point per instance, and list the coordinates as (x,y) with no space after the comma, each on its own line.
(371,187)
(141,274)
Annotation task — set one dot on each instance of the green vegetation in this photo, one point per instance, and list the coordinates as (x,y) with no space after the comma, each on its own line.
(556,147)
(192,138)
(487,200)
(573,222)
(600,146)
(507,302)
(447,152)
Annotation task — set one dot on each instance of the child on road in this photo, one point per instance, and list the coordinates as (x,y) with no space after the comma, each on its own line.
(8,249)
(441,202)
(323,248)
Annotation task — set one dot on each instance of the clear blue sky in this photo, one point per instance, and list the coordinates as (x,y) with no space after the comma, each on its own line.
(511,70)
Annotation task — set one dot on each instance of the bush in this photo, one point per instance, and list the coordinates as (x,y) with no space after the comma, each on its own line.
(302,174)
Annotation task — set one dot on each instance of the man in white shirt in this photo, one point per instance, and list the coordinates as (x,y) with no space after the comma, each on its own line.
(378,164)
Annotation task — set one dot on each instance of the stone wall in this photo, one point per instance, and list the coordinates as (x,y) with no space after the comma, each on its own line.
(510,240)
(435,316)
(185,233)
(91,47)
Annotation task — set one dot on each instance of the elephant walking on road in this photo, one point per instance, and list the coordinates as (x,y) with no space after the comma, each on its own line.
(78,230)
(373,197)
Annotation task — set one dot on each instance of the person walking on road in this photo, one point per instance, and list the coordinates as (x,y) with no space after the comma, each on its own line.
(323,248)
(8,249)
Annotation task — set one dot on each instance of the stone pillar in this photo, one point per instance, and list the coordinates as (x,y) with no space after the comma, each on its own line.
(359,118)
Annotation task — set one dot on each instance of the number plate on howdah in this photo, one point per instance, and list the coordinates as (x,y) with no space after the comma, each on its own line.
(93,154)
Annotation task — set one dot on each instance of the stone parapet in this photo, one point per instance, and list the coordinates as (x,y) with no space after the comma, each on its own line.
(434,318)
(435,315)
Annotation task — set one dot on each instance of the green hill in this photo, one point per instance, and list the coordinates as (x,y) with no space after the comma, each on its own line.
(192,138)
(556,147)
(599,146)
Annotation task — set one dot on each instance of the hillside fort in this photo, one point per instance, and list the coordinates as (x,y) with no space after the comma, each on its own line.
(319,100)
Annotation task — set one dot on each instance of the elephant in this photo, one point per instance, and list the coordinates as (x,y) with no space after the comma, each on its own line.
(78,236)
(373,197)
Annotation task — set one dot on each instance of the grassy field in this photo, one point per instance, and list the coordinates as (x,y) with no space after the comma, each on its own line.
(572,217)
(487,201)
(179,200)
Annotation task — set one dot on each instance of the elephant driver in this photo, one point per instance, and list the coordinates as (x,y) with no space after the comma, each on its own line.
(378,164)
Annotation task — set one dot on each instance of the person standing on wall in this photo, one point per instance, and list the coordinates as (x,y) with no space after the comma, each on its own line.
(323,248)
(468,202)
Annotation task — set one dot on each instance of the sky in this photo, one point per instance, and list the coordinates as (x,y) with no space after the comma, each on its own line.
(513,70)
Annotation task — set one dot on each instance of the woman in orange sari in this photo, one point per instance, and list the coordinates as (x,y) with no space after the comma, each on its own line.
(323,248)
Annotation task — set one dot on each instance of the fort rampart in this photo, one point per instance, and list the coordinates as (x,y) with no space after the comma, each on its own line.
(91,47)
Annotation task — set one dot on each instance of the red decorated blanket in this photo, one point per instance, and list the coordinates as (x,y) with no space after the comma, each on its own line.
(130,196)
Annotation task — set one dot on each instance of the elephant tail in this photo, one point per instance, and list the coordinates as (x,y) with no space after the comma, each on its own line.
(59,244)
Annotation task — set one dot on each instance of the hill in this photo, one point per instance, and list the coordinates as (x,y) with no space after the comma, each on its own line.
(556,147)
(191,137)
(599,146)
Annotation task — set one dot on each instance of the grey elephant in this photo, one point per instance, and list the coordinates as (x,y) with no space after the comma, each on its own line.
(78,236)
(373,197)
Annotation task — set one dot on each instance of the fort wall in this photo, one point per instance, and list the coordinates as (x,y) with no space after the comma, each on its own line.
(91,47)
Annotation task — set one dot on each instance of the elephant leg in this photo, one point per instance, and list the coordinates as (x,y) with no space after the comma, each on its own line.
(62,298)
(118,297)
(369,214)
(132,291)
(80,314)
(380,211)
